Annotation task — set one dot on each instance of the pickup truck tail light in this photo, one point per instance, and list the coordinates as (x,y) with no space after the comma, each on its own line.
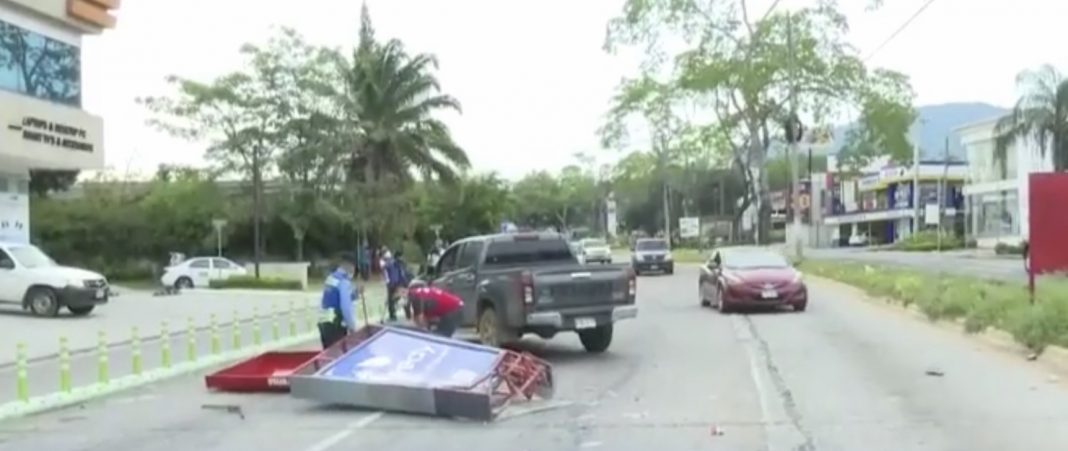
(632,282)
(526,287)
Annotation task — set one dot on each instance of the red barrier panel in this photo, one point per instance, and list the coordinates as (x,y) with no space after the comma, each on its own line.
(1048,202)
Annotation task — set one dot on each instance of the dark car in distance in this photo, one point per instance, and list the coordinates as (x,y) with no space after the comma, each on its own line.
(652,254)
(750,277)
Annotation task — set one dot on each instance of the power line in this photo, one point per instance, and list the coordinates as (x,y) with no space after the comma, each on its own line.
(900,29)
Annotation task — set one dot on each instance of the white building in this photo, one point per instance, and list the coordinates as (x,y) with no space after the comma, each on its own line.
(42,123)
(996,195)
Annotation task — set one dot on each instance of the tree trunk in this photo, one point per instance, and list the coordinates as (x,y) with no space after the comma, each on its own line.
(257,211)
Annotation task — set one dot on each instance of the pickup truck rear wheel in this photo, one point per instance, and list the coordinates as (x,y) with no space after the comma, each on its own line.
(489,330)
(596,340)
(42,301)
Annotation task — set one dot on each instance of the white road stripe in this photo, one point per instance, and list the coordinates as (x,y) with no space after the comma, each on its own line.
(329,442)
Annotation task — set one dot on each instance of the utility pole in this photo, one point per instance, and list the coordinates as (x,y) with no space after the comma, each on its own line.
(916,186)
(942,191)
(663,179)
(794,133)
(257,209)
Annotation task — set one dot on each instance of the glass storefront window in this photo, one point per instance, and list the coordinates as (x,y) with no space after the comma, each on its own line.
(997,214)
(39,66)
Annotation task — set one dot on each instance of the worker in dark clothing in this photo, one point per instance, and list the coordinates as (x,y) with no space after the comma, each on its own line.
(397,276)
(339,294)
(435,309)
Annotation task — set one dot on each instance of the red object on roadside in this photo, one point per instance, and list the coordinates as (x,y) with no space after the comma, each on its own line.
(267,372)
(1048,221)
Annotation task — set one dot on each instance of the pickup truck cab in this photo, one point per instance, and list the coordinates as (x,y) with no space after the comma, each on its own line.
(31,279)
(518,283)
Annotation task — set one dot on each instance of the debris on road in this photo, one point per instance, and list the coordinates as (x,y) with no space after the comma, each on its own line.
(228,408)
(395,369)
(935,373)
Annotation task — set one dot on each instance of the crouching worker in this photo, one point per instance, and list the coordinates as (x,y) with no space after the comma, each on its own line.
(435,309)
(338,296)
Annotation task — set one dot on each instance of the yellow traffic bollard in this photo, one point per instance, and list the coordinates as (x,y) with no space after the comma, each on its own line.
(190,340)
(22,380)
(257,332)
(165,344)
(292,320)
(135,350)
(101,358)
(235,332)
(215,345)
(275,327)
(64,365)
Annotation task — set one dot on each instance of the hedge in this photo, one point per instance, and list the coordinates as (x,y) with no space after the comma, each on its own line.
(979,303)
(927,241)
(250,282)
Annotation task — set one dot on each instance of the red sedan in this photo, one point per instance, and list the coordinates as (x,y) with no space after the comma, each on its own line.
(737,277)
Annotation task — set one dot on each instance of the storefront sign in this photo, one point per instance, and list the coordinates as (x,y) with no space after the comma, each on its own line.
(54,134)
(44,135)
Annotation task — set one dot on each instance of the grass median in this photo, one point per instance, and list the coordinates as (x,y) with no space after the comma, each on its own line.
(978,303)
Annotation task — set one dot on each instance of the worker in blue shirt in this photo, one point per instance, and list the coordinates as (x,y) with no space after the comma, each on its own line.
(339,294)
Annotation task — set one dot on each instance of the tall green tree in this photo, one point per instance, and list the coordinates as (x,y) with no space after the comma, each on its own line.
(391,99)
(751,70)
(1040,115)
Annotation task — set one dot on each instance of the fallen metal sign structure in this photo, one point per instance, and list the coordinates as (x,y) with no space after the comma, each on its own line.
(401,370)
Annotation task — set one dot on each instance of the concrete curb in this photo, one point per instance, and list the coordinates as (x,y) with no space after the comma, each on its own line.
(84,394)
(1052,355)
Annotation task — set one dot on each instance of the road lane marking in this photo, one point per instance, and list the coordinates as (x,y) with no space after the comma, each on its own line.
(329,442)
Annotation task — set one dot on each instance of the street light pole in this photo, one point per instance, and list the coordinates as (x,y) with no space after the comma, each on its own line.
(793,135)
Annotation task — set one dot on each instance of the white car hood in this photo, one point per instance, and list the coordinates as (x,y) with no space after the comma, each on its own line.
(65,273)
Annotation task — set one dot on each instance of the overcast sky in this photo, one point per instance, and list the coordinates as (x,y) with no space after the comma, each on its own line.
(531,75)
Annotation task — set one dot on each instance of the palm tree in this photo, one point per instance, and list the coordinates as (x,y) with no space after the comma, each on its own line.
(392,97)
(1040,114)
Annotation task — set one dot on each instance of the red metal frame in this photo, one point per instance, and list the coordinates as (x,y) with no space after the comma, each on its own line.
(266,372)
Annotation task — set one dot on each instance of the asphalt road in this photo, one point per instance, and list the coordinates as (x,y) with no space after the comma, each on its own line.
(1010,269)
(845,375)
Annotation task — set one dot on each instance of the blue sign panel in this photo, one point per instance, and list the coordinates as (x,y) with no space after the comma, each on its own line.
(394,357)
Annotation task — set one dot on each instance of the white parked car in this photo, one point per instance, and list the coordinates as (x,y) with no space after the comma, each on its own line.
(31,279)
(595,250)
(200,271)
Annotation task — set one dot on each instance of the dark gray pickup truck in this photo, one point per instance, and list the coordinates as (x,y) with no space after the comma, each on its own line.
(519,283)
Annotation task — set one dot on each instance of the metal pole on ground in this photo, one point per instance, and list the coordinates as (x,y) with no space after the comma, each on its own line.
(135,351)
(275,327)
(257,332)
(292,320)
(64,365)
(101,358)
(214,325)
(235,332)
(22,381)
(165,344)
(190,340)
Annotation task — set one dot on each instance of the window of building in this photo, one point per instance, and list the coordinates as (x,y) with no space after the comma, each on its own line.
(39,66)
(997,214)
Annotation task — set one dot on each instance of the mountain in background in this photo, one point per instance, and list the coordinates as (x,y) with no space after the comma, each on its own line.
(934,124)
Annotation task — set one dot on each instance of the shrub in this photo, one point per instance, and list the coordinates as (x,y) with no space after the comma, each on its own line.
(927,241)
(1008,249)
(251,282)
(982,304)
